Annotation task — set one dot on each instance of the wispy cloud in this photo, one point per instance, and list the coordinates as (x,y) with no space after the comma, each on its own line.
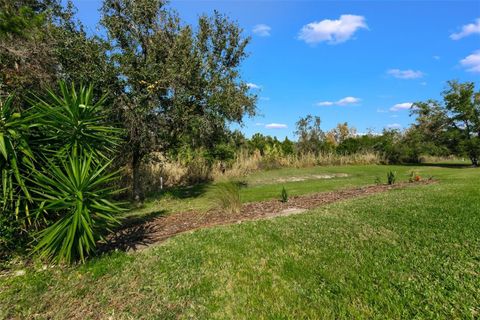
(332,31)
(405,74)
(276,126)
(393,126)
(468,29)
(472,62)
(381,110)
(262,30)
(436,57)
(342,102)
(253,86)
(402,106)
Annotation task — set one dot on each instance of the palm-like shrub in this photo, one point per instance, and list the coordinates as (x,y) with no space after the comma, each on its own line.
(75,195)
(68,200)
(15,156)
(72,121)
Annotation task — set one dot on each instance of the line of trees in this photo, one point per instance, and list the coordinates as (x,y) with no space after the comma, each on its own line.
(446,128)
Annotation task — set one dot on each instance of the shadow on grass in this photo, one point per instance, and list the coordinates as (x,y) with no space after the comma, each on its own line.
(133,232)
(183,192)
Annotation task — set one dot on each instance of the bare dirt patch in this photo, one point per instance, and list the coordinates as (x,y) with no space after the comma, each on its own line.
(138,236)
(307,177)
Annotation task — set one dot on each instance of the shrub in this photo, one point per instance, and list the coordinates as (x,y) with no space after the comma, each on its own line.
(378,181)
(77,194)
(226,196)
(284,195)
(73,121)
(16,156)
(67,200)
(391,177)
(414,177)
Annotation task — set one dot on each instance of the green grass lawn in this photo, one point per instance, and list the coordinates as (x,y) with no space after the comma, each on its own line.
(404,254)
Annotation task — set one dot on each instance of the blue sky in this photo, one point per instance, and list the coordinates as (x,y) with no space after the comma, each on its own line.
(362,62)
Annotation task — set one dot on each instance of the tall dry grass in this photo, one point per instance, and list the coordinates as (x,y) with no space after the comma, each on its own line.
(175,173)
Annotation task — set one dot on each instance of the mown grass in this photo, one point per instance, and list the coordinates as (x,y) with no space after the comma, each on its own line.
(403,254)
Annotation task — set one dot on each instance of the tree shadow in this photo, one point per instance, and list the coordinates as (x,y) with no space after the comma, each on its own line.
(182,192)
(132,233)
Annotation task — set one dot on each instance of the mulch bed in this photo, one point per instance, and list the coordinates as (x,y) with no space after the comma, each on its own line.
(139,236)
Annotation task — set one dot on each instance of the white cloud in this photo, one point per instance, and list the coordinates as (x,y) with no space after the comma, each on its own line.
(347,100)
(423,83)
(381,110)
(325,103)
(342,102)
(436,57)
(394,116)
(393,126)
(276,126)
(401,106)
(262,30)
(332,31)
(253,86)
(472,62)
(468,29)
(259,124)
(405,74)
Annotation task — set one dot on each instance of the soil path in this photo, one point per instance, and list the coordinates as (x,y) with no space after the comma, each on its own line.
(135,237)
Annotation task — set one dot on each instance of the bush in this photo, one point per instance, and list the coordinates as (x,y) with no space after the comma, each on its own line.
(77,192)
(226,196)
(66,200)
(284,195)
(391,177)
(414,176)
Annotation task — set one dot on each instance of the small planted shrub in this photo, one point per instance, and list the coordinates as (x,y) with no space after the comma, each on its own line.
(414,177)
(391,177)
(378,181)
(284,195)
(226,196)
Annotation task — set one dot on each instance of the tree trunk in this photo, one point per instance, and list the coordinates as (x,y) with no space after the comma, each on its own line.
(137,188)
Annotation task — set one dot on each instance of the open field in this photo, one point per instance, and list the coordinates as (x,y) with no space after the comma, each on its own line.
(406,253)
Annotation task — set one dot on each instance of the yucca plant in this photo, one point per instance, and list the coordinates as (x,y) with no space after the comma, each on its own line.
(72,121)
(15,161)
(75,194)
